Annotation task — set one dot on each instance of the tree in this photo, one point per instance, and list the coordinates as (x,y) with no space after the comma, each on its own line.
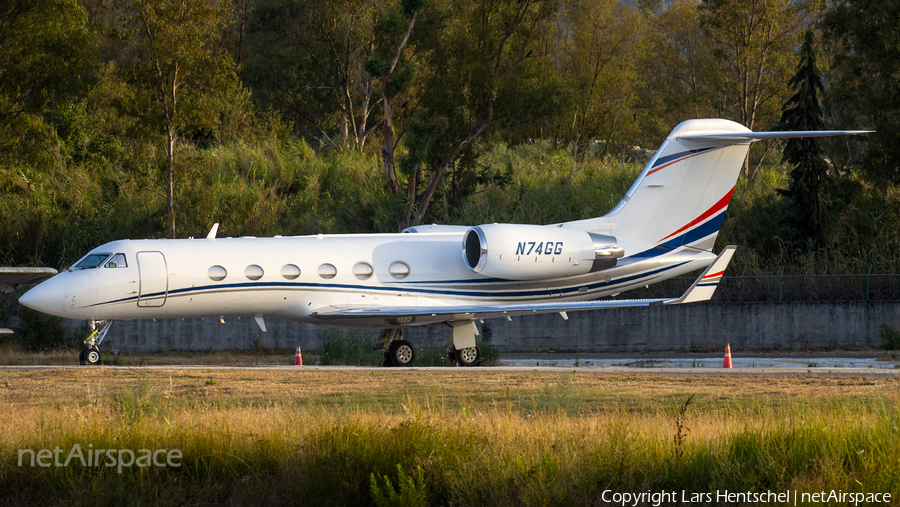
(753,45)
(306,61)
(806,209)
(485,69)
(597,58)
(676,68)
(395,75)
(44,61)
(173,59)
(864,36)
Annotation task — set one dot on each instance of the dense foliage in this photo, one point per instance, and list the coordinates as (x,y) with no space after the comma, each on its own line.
(156,118)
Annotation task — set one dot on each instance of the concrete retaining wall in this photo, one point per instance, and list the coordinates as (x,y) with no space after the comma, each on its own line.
(686,327)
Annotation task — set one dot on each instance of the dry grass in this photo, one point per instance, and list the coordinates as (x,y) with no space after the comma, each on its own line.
(313,435)
(598,392)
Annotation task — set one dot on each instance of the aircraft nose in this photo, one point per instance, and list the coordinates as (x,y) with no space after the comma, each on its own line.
(47,297)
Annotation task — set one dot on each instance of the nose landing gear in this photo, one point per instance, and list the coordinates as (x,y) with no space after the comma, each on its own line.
(91,355)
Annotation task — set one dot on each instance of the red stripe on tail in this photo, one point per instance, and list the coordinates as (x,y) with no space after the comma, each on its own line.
(706,214)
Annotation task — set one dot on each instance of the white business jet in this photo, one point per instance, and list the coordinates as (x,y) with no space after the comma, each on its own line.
(665,226)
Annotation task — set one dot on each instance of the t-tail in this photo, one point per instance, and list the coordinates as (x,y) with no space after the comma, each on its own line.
(680,198)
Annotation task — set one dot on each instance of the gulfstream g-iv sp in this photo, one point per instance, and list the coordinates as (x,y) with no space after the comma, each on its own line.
(664,226)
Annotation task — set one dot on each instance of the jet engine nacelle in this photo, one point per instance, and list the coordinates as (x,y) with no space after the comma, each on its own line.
(536,252)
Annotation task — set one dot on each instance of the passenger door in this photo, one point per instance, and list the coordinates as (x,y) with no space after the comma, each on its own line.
(154,279)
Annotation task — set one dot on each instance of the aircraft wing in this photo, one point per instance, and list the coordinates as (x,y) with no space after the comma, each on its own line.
(12,278)
(701,290)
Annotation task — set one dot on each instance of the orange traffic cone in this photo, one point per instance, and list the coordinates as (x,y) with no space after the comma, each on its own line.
(298,357)
(727,355)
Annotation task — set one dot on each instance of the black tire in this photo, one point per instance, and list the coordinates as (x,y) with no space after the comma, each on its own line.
(81,354)
(386,362)
(402,353)
(92,356)
(469,357)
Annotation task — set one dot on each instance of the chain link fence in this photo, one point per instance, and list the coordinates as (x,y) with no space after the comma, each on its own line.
(786,288)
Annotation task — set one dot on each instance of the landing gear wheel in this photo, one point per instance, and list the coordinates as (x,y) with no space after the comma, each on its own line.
(451,354)
(402,353)
(91,357)
(81,354)
(386,362)
(469,357)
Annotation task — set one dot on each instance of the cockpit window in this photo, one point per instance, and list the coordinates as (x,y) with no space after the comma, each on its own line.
(117,261)
(91,261)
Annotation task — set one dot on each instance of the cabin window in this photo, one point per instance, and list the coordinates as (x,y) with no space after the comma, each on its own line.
(117,261)
(362,270)
(327,271)
(217,273)
(92,261)
(253,272)
(290,272)
(399,270)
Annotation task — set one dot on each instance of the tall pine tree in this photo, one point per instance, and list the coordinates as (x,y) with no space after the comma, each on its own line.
(805,213)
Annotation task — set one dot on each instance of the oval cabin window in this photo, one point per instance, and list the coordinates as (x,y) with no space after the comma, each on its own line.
(362,270)
(253,272)
(290,272)
(399,270)
(327,271)
(217,273)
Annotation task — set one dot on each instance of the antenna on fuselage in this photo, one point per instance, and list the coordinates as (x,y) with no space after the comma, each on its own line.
(213,231)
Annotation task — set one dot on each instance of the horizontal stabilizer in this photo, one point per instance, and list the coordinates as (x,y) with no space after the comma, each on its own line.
(759,136)
(705,285)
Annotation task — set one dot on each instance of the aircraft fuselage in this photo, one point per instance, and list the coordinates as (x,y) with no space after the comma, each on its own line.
(290,277)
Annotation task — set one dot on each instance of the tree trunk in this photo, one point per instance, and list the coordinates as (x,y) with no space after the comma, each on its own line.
(436,175)
(170,180)
(411,198)
(387,153)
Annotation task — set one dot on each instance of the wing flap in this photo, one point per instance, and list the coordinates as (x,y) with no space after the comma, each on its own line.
(701,290)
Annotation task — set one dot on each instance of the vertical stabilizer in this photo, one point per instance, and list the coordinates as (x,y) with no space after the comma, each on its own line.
(681,196)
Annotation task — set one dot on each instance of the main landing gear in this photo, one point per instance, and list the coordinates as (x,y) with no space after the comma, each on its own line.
(397,351)
(401,353)
(91,355)
(470,356)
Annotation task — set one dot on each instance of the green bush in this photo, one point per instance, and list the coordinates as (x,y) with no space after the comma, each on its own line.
(889,336)
(38,331)
(410,490)
(353,349)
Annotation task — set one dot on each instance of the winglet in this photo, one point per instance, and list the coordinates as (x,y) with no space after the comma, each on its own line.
(705,285)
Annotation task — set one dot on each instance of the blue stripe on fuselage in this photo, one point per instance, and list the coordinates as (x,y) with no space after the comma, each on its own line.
(307,285)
